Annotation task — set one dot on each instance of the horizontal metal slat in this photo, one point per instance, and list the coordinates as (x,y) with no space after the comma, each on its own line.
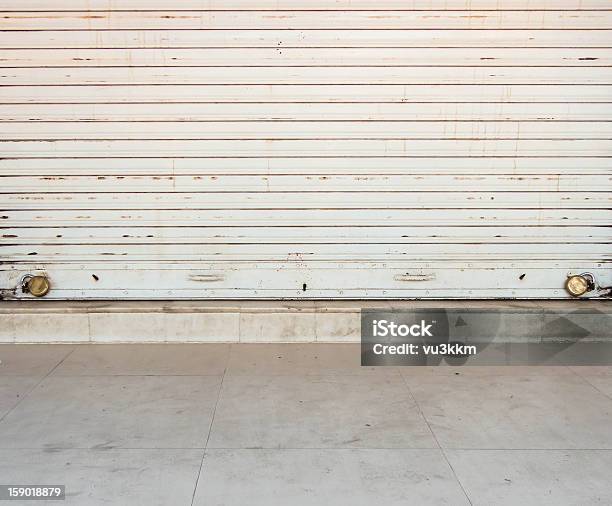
(321,165)
(170,112)
(527,278)
(308,217)
(298,5)
(306,147)
(89,38)
(179,20)
(312,252)
(465,199)
(313,57)
(303,235)
(306,130)
(56,76)
(276,93)
(309,183)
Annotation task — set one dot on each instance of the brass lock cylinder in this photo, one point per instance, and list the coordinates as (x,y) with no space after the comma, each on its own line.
(38,286)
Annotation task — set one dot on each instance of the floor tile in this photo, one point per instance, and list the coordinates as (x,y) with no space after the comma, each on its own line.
(299,359)
(543,411)
(602,382)
(102,477)
(327,477)
(13,389)
(113,411)
(598,376)
(146,359)
(534,478)
(317,412)
(31,359)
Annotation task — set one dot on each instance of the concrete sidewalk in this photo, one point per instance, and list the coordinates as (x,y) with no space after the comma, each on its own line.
(298,424)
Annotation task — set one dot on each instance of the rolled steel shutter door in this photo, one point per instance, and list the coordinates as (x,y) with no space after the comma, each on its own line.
(293,149)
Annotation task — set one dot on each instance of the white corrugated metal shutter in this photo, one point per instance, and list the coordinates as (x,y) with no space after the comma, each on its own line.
(322,148)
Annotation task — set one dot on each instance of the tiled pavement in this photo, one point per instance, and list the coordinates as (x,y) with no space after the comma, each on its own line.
(297,424)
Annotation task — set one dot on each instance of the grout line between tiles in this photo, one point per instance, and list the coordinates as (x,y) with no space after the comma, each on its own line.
(586,380)
(436,439)
(212,421)
(37,383)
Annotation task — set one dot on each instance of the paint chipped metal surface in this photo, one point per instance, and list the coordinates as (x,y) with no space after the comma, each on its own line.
(261,149)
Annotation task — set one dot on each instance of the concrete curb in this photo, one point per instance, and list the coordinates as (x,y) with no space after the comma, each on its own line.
(231,321)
